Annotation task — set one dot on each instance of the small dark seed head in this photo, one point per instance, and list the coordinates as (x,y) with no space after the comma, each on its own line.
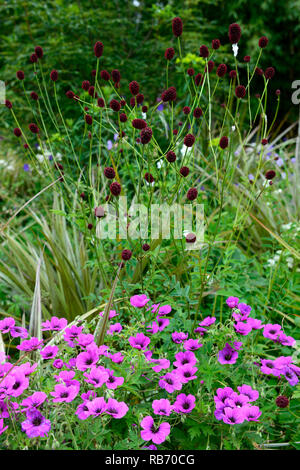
(263,42)
(20,75)
(282,401)
(177,26)
(169,53)
(192,194)
(270,174)
(126,255)
(109,172)
(54,75)
(184,171)
(171,156)
(98,49)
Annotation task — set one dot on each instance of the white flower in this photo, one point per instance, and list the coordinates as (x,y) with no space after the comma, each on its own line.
(235,49)
(160,163)
(136,3)
(40,157)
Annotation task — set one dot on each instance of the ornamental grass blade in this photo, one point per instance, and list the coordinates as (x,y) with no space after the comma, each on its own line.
(35,323)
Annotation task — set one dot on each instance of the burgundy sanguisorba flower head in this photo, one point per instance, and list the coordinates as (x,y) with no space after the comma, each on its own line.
(282,401)
(115,105)
(177,26)
(234,33)
(70,94)
(149,178)
(20,75)
(116,76)
(240,91)
(139,123)
(146,247)
(204,51)
(17,132)
(88,119)
(197,113)
(270,174)
(198,79)
(109,172)
(123,117)
(105,75)
(39,51)
(221,70)
(126,255)
(263,42)
(223,142)
(192,194)
(190,72)
(169,94)
(189,140)
(33,128)
(134,88)
(215,44)
(146,135)
(101,102)
(115,188)
(34,95)
(85,85)
(169,53)
(33,58)
(269,73)
(184,171)
(54,75)
(98,49)
(171,156)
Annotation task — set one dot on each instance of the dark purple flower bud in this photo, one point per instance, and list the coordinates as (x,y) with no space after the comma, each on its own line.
(177,26)
(109,172)
(221,70)
(17,132)
(215,44)
(223,142)
(146,135)
(240,91)
(105,75)
(234,33)
(184,171)
(134,88)
(189,140)
(34,128)
(204,52)
(115,105)
(39,51)
(169,53)
(20,75)
(54,75)
(169,94)
(126,255)
(115,188)
(263,42)
(98,49)
(192,194)
(171,156)
(139,124)
(85,85)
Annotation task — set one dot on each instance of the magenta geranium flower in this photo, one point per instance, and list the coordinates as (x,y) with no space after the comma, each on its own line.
(97,406)
(31,344)
(286,340)
(33,401)
(242,328)
(248,390)
(115,328)
(233,415)
(112,381)
(154,433)
(84,340)
(18,332)
(88,358)
(116,409)
(208,321)
(116,357)
(49,352)
(184,403)
(162,323)
(236,400)
(152,328)
(21,383)
(271,331)
(97,376)
(71,334)
(290,376)
(112,314)
(227,355)
(268,367)
(83,411)
(6,324)
(179,337)
(232,302)
(36,425)
(251,413)
(63,393)
(139,301)
(244,309)
(185,357)
(54,324)
(254,323)
(162,407)
(164,310)
(186,373)
(221,395)
(170,382)
(192,345)
(2,427)
(140,341)
(160,364)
